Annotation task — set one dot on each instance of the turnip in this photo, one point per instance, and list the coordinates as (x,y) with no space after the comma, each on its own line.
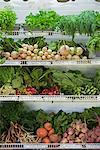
(24,50)
(78,127)
(20,50)
(10,58)
(84,58)
(84,130)
(64,140)
(49,56)
(23,56)
(32,54)
(98,139)
(94,136)
(73,125)
(78,140)
(30,47)
(63,57)
(39,58)
(24,45)
(40,53)
(65,135)
(35,46)
(46,54)
(28,58)
(79,51)
(97,131)
(75,57)
(19,58)
(72,50)
(44,49)
(70,131)
(64,50)
(69,57)
(29,53)
(44,57)
(14,54)
(81,135)
(34,58)
(36,51)
(71,141)
(57,57)
(54,53)
(49,51)
(7,54)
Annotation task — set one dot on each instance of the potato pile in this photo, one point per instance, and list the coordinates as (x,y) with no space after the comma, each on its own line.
(32,52)
(47,134)
(76,133)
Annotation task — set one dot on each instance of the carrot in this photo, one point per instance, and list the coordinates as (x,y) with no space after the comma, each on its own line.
(41,132)
(48,126)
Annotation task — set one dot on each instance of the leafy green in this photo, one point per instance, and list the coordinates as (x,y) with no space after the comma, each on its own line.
(94,43)
(87,22)
(7,74)
(7,19)
(69,80)
(10,111)
(97,80)
(68,25)
(44,20)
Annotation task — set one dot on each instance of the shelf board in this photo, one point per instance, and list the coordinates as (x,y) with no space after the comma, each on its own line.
(53,98)
(49,146)
(50,63)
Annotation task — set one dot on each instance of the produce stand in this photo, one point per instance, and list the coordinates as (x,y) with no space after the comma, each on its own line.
(64,88)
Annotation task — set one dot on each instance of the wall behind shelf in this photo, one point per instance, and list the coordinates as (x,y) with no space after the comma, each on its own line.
(24,8)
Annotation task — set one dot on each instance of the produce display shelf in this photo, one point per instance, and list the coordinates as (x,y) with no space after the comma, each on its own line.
(50,63)
(51,98)
(50,146)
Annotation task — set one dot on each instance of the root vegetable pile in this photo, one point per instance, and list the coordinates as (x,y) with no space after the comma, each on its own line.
(32,52)
(76,133)
(16,133)
(42,127)
(47,134)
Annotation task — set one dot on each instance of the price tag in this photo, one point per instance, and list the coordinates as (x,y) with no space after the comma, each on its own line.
(23,62)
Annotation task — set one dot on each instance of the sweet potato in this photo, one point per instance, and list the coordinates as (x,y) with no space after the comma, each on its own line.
(51,132)
(46,140)
(54,138)
(42,132)
(48,126)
